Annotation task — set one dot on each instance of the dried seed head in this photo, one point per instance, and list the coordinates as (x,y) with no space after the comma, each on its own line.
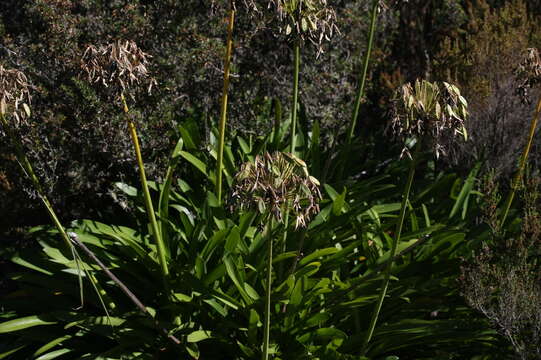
(437,111)
(15,95)
(528,73)
(312,20)
(272,182)
(120,65)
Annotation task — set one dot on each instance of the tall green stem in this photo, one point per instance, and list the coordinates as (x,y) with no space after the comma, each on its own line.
(28,169)
(266,335)
(366,61)
(146,192)
(26,165)
(294,105)
(387,275)
(522,165)
(223,108)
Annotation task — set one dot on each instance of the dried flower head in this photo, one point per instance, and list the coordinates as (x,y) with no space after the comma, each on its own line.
(437,111)
(528,73)
(272,182)
(14,94)
(119,65)
(312,20)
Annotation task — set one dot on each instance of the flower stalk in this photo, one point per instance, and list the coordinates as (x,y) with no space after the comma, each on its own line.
(146,193)
(225,92)
(295,102)
(425,112)
(527,76)
(275,185)
(121,67)
(15,91)
(364,74)
(389,266)
(266,335)
(27,168)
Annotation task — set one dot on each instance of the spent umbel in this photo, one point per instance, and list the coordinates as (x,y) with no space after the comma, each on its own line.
(312,20)
(276,183)
(435,112)
(120,66)
(528,74)
(15,95)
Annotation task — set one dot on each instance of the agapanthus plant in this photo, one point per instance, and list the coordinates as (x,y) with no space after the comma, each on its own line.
(433,114)
(15,97)
(121,67)
(274,185)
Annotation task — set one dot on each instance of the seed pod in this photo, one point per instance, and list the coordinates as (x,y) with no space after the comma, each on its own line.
(120,66)
(428,110)
(15,95)
(275,183)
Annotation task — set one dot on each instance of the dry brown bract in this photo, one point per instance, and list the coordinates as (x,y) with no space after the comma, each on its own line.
(528,73)
(119,65)
(272,182)
(14,94)
(428,109)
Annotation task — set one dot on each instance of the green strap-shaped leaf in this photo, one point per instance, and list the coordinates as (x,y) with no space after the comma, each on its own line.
(463,196)
(23,323)
(195,162)
(54,354)
(199,335)
(5,354)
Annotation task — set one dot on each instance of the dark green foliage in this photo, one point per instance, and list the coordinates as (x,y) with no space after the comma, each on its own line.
(327,277)
(325,280)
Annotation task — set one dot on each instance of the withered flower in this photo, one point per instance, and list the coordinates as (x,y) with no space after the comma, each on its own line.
(312,20)
(15,94)
(528,73)
(436,111)
(275,183)
(119,65)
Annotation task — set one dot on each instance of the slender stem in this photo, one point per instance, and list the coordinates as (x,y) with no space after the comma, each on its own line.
(294,105)
(223,109)
(146,193)
(277,106)
(518,176)
(27,168)
(134,299)
(266,335)
(366,61)
(387,274)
